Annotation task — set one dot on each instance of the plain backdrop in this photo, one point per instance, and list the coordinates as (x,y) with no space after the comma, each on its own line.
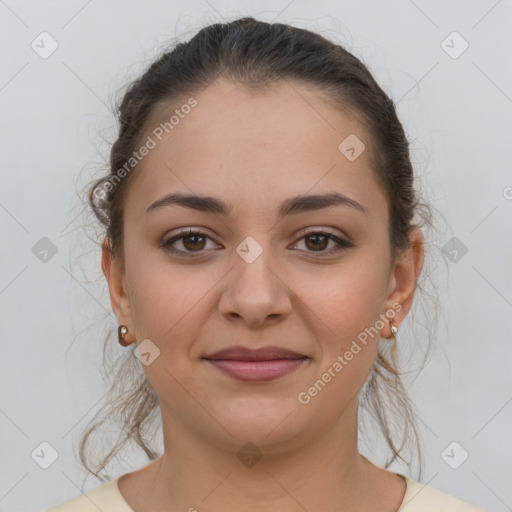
(446,65)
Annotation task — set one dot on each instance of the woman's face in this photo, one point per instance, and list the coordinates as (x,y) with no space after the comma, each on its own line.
(254,278)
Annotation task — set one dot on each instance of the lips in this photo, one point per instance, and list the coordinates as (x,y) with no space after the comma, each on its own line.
(259,354)
(256,365)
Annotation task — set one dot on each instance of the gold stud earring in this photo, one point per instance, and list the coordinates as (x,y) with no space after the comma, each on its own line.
(394,329)
(121,331)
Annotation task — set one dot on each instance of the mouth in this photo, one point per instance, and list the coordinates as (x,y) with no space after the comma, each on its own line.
(256,365)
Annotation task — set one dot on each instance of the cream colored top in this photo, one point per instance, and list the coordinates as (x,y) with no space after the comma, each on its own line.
(417,498)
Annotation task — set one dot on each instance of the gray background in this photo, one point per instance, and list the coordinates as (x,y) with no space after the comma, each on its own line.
(55,127)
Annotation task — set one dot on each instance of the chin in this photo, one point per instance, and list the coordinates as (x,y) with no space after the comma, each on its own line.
(261,422)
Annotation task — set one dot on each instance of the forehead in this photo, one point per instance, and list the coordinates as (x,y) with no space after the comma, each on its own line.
(241,143)
(283,117)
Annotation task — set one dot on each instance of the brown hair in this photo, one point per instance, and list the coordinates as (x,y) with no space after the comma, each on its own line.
(257,54)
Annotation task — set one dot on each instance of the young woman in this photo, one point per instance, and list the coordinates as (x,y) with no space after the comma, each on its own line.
(261,254)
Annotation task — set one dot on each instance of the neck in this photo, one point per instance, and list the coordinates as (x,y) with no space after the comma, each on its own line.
(325,473)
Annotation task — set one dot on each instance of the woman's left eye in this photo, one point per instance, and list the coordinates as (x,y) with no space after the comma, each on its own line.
(194,242)
(320,240)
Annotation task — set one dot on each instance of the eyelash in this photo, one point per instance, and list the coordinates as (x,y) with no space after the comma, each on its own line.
(166,245)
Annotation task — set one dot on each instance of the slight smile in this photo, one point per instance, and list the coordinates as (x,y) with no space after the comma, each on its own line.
(256,365)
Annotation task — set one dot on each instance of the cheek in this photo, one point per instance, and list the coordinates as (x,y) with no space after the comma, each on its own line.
(167,308)
(346,306)
(348,347)
(348,299)
(166,299)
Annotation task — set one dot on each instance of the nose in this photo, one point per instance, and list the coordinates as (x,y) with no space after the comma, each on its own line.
(255,292)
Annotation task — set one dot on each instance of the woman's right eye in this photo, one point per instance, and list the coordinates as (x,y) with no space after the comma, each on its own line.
(192,240)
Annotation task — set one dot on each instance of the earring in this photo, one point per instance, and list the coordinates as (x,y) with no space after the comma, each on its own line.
(394,329)
(121,331)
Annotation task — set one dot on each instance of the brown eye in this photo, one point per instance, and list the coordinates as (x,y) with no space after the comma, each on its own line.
(191,242)
(318,241)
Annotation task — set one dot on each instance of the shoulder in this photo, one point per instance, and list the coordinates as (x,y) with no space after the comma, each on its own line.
(423,498)
(107,498)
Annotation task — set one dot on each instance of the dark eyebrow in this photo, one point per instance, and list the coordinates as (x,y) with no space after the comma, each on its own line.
(294,205)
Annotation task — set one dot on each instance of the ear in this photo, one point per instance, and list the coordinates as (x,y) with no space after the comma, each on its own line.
(403,279)
(114,273)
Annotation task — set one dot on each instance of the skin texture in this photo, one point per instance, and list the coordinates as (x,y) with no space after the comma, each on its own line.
(254,150)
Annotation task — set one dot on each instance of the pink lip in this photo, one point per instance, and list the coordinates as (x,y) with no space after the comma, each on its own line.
(255,371)
(256,365)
